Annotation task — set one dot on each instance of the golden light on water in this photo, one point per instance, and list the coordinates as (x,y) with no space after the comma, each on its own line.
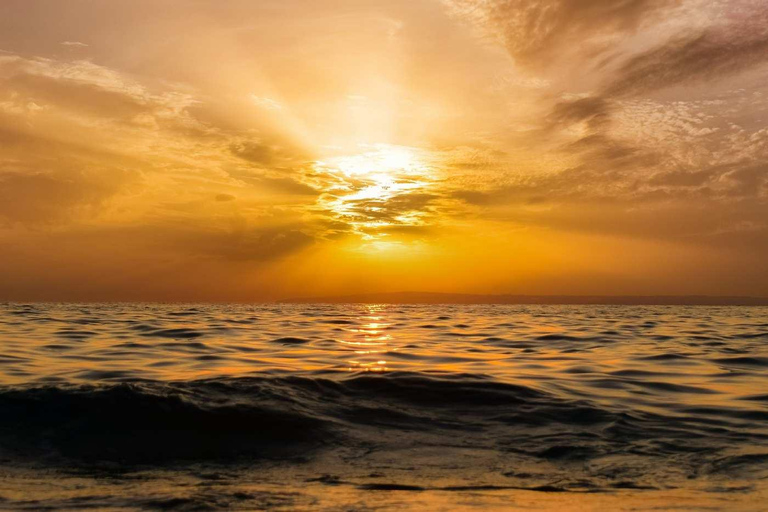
(370,343)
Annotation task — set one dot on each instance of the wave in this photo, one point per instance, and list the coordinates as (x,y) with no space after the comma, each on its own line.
(155,422)
(294,418)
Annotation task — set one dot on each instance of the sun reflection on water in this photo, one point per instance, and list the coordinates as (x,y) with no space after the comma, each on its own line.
(369,342)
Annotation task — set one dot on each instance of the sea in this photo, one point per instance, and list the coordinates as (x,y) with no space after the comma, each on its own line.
(382,407)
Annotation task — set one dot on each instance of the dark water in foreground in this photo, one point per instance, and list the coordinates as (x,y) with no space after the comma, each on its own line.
(307,407)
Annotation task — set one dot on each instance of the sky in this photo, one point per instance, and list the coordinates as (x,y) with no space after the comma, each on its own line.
(243,150)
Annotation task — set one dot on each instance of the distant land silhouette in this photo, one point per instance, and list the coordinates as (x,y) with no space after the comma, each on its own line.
(461,298)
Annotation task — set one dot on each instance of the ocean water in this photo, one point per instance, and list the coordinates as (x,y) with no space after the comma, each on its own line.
(357,407)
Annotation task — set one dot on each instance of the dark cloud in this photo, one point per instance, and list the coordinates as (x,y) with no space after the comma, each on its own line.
(595,111)
(600,151)
(709,55)
(542,33)
(747,181)
(389,209)
(536,32)
(257,243)
(270,151)
(615,162)
(255,152)
(286,186)
(742,181)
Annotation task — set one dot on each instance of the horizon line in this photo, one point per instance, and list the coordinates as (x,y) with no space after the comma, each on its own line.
(531,299)
(449,298)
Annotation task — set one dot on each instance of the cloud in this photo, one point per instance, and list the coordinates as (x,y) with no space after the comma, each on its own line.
(649,140)
(538,33)
(255,152)
(54,197)
(266,103)
(713,54)
(75,44)
(75,96)
(82,144)
(267,151)
(697,215)
(255,243)
(392,209)
(287,186)
(595,111)
(78,72)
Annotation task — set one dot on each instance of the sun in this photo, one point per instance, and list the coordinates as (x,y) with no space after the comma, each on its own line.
(373,187)
(380,159)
